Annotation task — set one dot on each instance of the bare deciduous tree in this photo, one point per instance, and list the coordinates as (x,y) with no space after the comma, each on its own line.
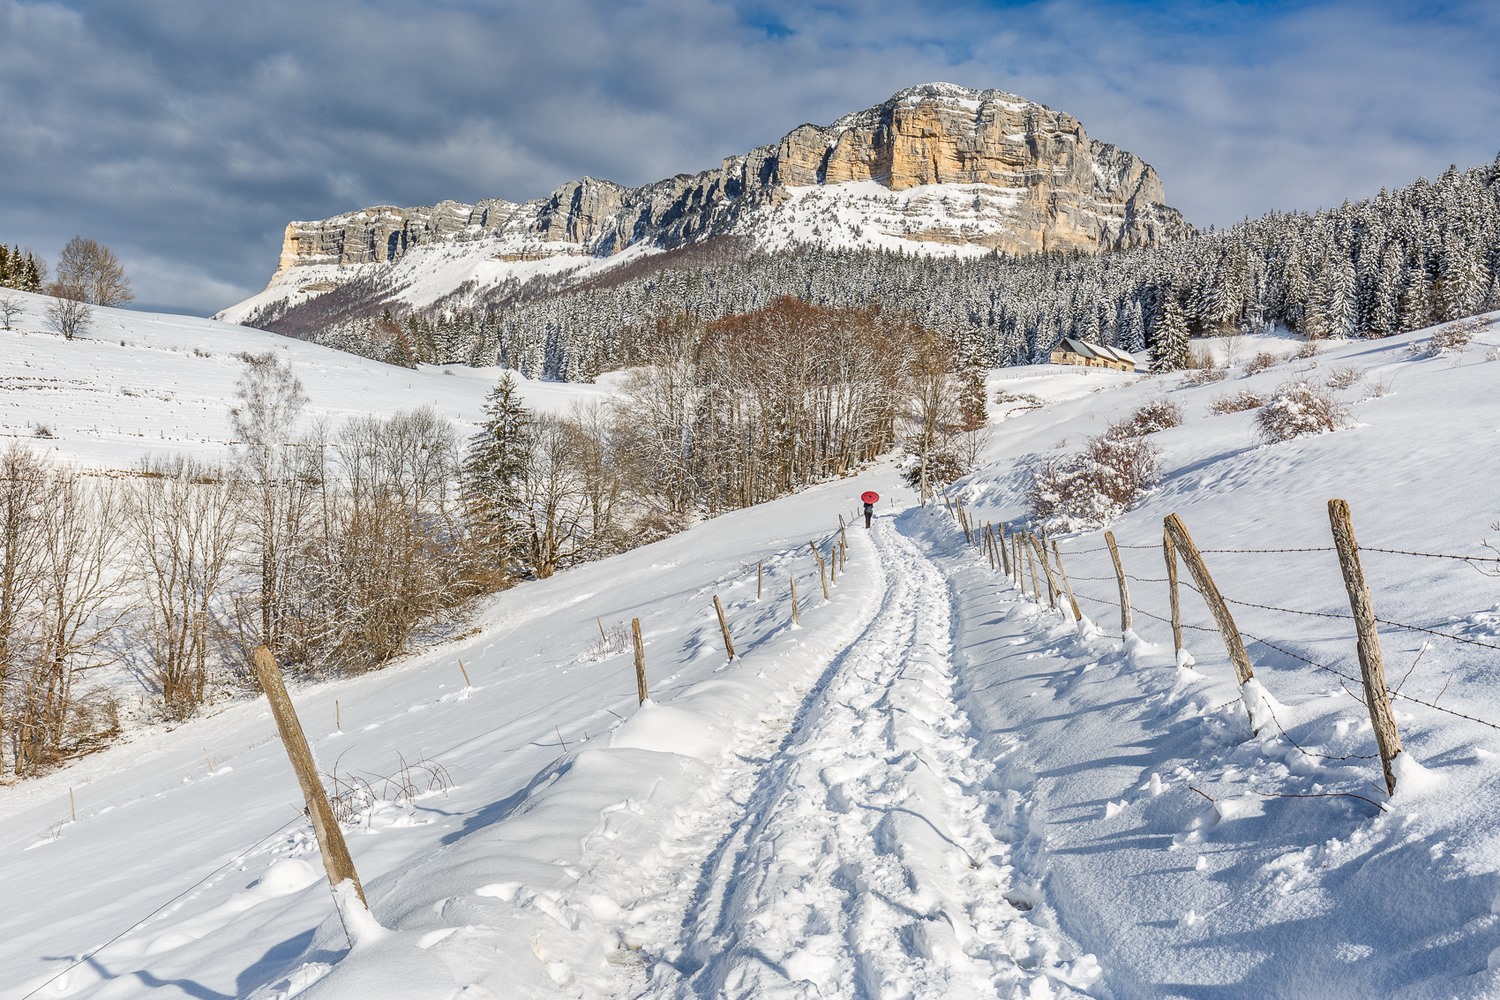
(383,560)
(933,415)
(94,270)
(68,313)
(23,490)
(80,599)
(280,486)
(554,497)
(183,517)
(10,307)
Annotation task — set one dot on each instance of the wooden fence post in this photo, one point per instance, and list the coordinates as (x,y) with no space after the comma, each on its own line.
(1041,554)
(724,627)
(822,568)
(1004,553)
(1036,591)
(1067,587)
(1169,551)
(1371,662)
(640,659)
(1232,641)
(331,845)
(1114,554)
(795,619)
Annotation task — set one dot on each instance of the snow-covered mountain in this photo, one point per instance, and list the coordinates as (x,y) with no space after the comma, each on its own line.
(934,169)
(934,786)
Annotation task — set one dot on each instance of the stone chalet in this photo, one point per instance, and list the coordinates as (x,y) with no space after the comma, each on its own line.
(1082,352)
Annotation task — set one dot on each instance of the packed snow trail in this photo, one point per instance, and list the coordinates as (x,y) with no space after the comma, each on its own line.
(864,863)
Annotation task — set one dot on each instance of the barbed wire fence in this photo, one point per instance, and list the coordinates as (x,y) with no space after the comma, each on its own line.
(1005,550)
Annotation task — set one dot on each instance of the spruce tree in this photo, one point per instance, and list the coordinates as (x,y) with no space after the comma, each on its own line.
(1169,344)
(494,473)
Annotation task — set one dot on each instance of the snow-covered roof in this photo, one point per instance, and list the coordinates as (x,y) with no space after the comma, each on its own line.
(1089,349)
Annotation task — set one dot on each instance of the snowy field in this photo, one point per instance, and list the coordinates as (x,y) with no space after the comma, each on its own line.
(934,786)
(133,385)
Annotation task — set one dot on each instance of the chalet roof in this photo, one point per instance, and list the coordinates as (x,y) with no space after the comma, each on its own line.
(1089,349)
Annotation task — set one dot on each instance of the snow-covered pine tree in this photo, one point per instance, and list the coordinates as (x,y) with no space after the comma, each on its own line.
(1170,350)
(494,474)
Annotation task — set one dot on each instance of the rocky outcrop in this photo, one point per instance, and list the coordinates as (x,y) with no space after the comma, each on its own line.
(1054,188)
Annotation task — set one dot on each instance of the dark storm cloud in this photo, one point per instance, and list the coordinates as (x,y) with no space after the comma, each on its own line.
(185,133)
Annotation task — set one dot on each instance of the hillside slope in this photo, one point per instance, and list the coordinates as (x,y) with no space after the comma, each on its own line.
(933,786)
(137,384)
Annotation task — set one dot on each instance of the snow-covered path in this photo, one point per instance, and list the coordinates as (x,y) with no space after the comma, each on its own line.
(870,859)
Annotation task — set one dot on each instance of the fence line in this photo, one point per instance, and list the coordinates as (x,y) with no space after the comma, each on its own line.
(1376,692)
(639,662)
(1432,555)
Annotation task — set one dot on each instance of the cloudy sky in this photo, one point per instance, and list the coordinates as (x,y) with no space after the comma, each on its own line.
(185,134)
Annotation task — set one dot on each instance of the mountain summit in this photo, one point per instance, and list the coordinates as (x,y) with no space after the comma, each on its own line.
(936,168)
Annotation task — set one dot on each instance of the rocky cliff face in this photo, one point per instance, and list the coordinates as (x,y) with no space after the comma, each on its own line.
(1030,180)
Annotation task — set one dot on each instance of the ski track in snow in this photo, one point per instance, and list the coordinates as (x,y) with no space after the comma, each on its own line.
(871,858)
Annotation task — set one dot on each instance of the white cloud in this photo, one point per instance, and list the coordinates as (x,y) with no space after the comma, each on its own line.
(177,130)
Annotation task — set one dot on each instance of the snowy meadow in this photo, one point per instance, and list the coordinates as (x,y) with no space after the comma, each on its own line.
(937,782)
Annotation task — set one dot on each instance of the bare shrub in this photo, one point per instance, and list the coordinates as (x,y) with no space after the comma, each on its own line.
(610,641)
(42,430)
(1296,409)
(1343,378)
(1261,361)
(1200,358)
(1493,547)
(1236,402)
(1203,376)
(1451,339)
(1019,401)
(1093,488)
(1307,350)
(354,797)
(1157,415)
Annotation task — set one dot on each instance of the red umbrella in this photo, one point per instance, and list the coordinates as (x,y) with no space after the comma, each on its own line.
(870,496)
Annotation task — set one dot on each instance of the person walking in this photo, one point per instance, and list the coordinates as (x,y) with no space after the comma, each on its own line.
(870,499)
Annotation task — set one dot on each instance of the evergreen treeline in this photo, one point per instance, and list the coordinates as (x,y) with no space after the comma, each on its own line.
(1400,261)
(21,270)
